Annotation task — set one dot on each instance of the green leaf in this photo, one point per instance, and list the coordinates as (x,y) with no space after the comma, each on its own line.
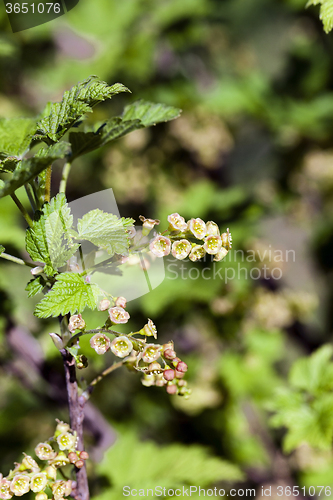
(105,230)
(31,167)
(75,103)
(150,113)
(326,12)
(35,286)
(16,135)
(49,239)
(70,294)
(2,249)
(128,462)
(9,164)
(314,374)
(91,139)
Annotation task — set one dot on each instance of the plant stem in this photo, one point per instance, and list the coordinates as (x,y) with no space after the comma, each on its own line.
(22,209)
(30,195)
(47,194)
(64,178)
(76,414)
(100,377)
(7,256)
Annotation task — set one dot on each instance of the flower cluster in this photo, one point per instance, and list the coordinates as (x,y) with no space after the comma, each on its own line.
(42,479)
(180,240)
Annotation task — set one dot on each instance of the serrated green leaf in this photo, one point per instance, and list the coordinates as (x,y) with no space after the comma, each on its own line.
(9,164)
(326,12)
(314,374)
(75,103)
(89,140)
(70,294)
(194,465)
(105,230)
(2,249)
(49,239)
(35,286)
(31,167)
(150,113)
(16,135)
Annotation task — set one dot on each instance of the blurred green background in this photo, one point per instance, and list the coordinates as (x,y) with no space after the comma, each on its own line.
(251,151)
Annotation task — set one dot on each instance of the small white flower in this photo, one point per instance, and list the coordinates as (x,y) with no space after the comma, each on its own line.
(197,253)
(20,485)
(198,228)
(44,451)
(221,254)
(5,491)
(66,441)
(212,228)
(121,346)
(181,249)
(149,330)
(160,246)
(76,322)
(151,353)
(118,315)
(100,342)
(213,244)
(38,482)
(177,222)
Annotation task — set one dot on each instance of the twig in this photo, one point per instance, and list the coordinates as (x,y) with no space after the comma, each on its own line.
(7,256)
(47,194)
(107,371)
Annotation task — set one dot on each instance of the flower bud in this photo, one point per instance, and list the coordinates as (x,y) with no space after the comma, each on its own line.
(79,464)
(61,427)
(41,496)
(175,361)
(160,246)
(181,367)
(44,451)
(169,374)
(38,482)
(66,441)
(212,245)
(182,383)
(84,455)
(160,380)
(181,249)
(57,340)
(20,485)
(121,346)
(226,240)
(100,342)
(198,228)
(118,315)
(37,270)
(76,322)
(169,354)
(73,457)
(5,491)
(148,380)
(60,489)
(29,463)
(148,224)
(151,353)
(51,472)
(197,253)
(179,375)
(104,304)
(154,366)
(176,223)
(221,254)
(121,302)
(81,362)
(149,330)
(212,229)
(171,389)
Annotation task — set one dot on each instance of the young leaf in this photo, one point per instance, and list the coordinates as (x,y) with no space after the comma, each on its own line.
(194,465)
(326,12)
(31,167)
(150,113)
(314,374)
(75,103)
(70,294)
(16,135)
(49,239)
(90,139)
(35,286)
(105,230)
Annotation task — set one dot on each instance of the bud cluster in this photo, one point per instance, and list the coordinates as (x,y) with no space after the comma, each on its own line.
(180,244)
(31,476)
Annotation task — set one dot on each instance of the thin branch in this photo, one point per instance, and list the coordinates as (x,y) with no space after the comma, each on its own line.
(30,195)
(22,209)
(47,193)
(86,394)
(7,256)
(64,178)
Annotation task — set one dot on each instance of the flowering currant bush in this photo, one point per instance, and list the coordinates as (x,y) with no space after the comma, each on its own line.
(64,277)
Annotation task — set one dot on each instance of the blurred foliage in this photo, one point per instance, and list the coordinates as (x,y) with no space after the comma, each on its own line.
(253,149)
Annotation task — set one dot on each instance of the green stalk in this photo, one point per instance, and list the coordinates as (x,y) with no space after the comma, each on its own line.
(47,194)
(64,178)
(7,256)
(22,209)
